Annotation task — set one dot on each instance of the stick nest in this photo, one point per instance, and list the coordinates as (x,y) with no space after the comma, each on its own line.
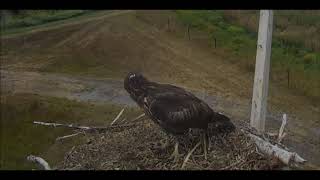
(135,148)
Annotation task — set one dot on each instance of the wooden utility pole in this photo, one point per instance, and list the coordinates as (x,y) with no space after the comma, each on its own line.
(261,77)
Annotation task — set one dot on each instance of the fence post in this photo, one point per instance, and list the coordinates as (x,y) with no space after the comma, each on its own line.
(261,77)
(288,75)
(189,31)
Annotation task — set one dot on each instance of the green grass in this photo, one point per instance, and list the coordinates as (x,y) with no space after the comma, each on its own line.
(20,137)
(41,18)
(300,28)
(240,42)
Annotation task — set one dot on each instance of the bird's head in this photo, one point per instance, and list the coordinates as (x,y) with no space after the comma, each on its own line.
(134,83)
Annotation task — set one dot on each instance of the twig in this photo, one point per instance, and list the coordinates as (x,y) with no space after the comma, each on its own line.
(118,116)
(140,116)
(87,128)
(233,164)
(123,120)
(136,119)
(281,134)
(263,136)
(272,134)
(39,161)
(68,136)
(188,155)
(82,127)
(64,125)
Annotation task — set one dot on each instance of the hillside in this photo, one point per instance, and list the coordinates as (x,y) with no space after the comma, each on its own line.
(109,47)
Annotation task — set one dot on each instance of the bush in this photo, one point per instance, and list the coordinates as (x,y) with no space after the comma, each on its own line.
(310,58)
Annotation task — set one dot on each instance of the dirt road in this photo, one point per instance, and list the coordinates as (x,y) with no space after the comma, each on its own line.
(101,91)
(109,47)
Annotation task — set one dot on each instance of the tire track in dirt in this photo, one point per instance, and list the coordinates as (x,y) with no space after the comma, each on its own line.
(101,91)
(107,90)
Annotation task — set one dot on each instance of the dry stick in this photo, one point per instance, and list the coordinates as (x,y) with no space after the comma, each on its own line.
(284,122)
(87,127)
(81,127)
(233,164)
(118,116)
(273,150)
(188,155)
(39,161)
(123,120)
(140,116)
(68,136)
(253,132)
(64,125)
(272,134)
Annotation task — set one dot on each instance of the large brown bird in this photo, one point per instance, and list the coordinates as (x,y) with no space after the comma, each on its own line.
(174,109)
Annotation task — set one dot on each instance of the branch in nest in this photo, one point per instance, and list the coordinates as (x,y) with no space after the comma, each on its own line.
(39,161)
(273,150)
(281,130)
(118,116)
(188,156)
(123,120)
(240,161)
(63,125)
(87,128)
(68,136)
(264,136)
(137,118)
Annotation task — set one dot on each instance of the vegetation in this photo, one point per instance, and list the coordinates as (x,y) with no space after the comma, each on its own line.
(15,21)
(32,18)
(109,48)
(300,28)
(292,51)
(20,137)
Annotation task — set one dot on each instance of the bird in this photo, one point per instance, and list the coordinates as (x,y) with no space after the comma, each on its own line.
(174,109)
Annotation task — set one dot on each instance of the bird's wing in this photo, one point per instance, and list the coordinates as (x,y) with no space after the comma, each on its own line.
(177,111)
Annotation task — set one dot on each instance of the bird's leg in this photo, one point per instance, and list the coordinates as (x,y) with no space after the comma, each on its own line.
(166,142)
(204,140)
(209,142)
(175,153)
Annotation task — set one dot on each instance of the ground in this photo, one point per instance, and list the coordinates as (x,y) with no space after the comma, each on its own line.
(86,62)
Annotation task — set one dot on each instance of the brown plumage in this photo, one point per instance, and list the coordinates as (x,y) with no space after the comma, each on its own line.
(174,109)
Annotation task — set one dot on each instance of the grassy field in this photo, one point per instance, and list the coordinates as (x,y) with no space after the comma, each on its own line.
(236,32)
(37,17)
(34,19)
(110,47)
(20,137)
(294,28)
